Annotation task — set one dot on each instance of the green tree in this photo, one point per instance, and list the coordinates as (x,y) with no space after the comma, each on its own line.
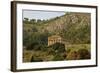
(32,21)
(26,20)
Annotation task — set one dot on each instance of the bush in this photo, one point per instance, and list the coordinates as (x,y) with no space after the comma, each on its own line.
(33,46)
(72,55)
(58,47)
(35,60)
(78,55)
(68,50)
(58,57)
(36,46)
(83,54)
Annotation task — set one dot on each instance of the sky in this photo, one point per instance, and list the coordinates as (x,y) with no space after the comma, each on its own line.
(43,15)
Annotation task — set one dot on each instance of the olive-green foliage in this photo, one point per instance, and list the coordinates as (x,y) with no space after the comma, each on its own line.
(78,46)
(58,50)
(36,40)
(31,32)
(58,47)
(58,57)
(36,60)
(68,50)
(80,35)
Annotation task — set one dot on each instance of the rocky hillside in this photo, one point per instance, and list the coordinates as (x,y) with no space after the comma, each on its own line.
(60,23)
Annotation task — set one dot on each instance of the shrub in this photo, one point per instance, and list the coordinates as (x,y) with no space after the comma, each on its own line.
(58,57)
(34,46)
(58,47)
(83,54)
(68,50)
(35,60)
(72,55)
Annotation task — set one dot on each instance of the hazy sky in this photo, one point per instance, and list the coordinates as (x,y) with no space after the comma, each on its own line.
(41,14)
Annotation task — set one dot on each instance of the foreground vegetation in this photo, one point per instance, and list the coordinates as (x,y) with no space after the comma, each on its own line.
(58,52)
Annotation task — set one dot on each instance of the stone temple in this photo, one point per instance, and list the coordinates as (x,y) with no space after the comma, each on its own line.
(54,39)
